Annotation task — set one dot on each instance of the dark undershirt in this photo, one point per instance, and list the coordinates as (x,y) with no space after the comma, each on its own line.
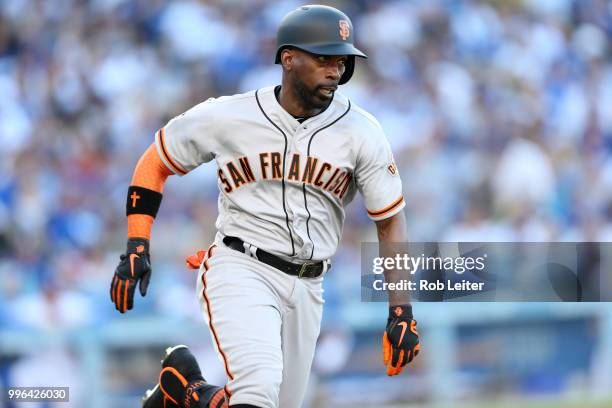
(300,119)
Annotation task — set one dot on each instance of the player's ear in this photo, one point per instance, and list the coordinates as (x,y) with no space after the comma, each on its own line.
(286,58)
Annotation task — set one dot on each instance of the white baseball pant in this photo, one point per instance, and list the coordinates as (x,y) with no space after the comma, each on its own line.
(264,324)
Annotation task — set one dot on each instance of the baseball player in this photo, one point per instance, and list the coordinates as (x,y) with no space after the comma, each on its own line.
(289,159)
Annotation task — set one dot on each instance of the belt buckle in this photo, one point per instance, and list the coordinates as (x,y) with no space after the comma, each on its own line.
(303,269)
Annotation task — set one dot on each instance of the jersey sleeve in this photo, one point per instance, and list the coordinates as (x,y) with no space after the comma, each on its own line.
(377,177)
(188,140)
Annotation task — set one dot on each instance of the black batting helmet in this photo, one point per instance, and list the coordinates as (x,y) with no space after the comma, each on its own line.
(320,30)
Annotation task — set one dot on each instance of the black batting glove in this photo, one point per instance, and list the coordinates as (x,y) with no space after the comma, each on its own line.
(400,340)
(134,266)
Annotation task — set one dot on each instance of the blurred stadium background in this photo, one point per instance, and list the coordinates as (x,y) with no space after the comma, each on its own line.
(500,117)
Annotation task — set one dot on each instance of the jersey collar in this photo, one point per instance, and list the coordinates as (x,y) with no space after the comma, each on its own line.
(285,120)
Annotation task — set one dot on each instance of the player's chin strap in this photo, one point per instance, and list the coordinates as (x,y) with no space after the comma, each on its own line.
(251,250)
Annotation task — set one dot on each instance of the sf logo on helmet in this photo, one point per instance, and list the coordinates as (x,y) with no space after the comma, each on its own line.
(344,29)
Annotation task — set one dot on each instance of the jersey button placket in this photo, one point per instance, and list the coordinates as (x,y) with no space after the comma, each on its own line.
(291,148)
(298,145)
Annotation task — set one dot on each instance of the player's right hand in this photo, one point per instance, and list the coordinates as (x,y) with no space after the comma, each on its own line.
(134,266)
(400,340)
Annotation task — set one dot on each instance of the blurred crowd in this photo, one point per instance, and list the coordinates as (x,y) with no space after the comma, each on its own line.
(499,114)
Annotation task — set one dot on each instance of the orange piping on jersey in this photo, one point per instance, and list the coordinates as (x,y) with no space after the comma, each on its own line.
(387,209)
(227,391)
(151,173)
(209,254)
(174,165)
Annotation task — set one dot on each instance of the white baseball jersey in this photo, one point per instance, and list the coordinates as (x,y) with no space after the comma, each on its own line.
(284,184)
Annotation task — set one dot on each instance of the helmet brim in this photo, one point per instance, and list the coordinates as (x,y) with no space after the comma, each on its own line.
(324,49)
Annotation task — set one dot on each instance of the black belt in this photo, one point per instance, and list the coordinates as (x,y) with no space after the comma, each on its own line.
(306,270)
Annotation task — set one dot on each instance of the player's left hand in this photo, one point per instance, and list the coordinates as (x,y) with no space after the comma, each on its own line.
(134,266)
(401,339)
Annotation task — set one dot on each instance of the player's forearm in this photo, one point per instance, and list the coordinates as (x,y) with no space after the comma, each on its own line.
(149,178)
(390,231)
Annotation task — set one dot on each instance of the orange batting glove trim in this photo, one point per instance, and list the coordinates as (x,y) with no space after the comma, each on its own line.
(386,347)
(395,370)
(125,296)
(387,353)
